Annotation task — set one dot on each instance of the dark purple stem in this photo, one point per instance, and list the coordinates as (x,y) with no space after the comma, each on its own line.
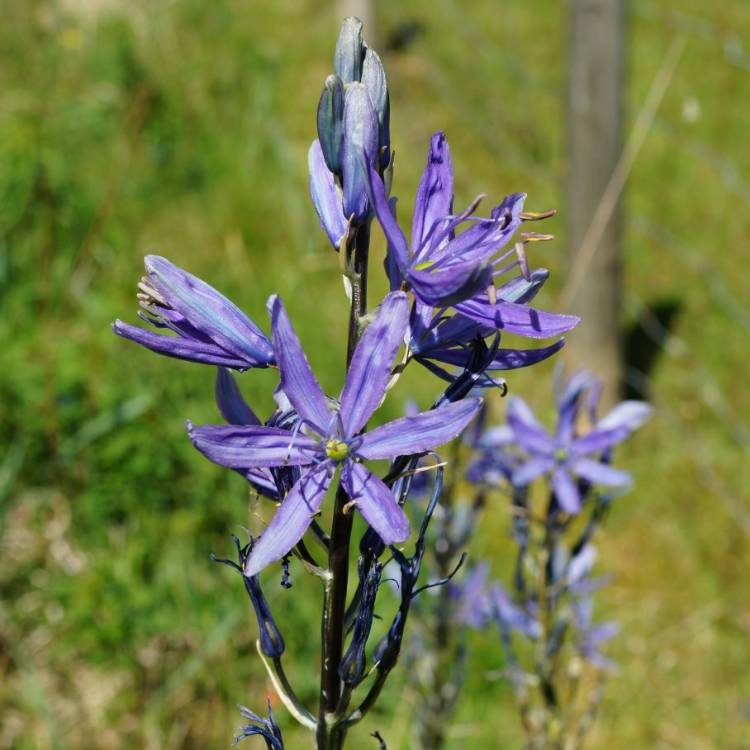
(333,626)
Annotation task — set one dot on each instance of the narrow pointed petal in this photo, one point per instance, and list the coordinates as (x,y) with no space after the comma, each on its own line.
(434,199)
(252,446)
(325,196)
(420,433)
(291,521)
(569,404)
(519,319)
(600,473)
(376,503)
(297,379)
(390,263)
(444,287)
(523,290)
(529,433)
(532,469)
(360,148)
(209,311)
(189,350)
(628,415)
(613,428)
(453,331)
(232,406)
(504,359)
(512,359)
(397,244)
(566,491)
(370,369)
(262,481)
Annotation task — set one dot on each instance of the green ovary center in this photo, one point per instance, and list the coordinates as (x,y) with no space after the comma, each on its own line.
(561,455)
(337,450)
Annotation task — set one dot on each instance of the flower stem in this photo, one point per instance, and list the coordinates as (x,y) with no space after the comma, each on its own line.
(330,735)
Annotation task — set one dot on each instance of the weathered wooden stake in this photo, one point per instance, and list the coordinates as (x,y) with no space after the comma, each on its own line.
(594,139)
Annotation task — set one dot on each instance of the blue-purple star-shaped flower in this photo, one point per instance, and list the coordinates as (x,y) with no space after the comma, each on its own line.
(568,457)
(329,438)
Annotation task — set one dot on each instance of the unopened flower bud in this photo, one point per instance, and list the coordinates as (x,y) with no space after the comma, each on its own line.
(331,122)
(350,51)
(271,641)
(373,78)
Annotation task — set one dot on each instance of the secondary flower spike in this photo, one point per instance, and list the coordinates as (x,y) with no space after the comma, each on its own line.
(209,328)
(332,437)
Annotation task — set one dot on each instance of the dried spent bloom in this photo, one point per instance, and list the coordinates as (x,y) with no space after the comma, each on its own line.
(268,729)
(352,666)
(209,328)
(329,439)
(271,640)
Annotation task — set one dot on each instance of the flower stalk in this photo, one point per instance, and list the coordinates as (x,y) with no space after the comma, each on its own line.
(330,733)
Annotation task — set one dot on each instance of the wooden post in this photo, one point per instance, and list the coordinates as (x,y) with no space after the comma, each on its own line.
(594,141)
(365,11)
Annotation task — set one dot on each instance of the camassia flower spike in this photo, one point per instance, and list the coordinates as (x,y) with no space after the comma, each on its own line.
(210,329)
(331,438)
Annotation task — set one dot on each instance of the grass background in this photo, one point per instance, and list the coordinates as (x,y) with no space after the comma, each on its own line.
(181,127)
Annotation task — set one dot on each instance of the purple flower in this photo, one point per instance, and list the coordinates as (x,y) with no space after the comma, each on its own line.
(208,327)
(567,457)
(329,438)
(443,268)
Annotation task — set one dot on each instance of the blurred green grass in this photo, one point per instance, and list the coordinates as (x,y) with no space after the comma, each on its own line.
(182,128)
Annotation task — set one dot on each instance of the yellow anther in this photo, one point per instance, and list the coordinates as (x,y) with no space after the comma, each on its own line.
(424,265)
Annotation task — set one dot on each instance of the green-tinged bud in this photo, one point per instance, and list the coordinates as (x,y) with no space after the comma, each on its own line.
(331,122)
(373,77)
(350,51)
